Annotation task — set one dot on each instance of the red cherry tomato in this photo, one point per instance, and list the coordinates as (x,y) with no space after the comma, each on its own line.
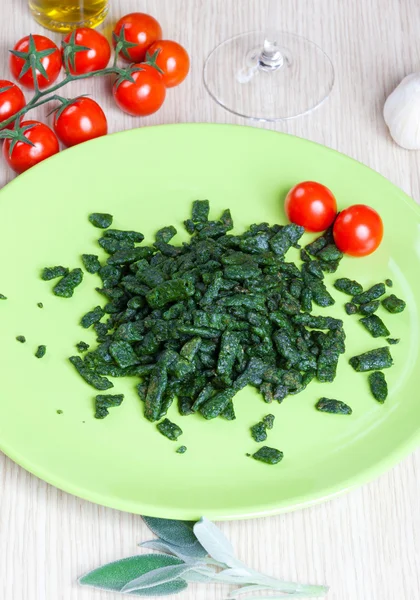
(23,155)
(143,97)
(98,55)
(172,59)
(82,120)
(311,205)
(358,230)
(51,63)
(11,99)
(139,29)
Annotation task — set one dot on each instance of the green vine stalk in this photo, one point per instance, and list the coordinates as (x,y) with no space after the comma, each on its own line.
(70,49)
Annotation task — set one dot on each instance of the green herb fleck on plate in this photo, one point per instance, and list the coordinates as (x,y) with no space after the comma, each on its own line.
(270,456)
(89,375)
(375,326)
(21,339)
(181,450)
(393,304)
(127,236)
(351,309)
(393,341)
(330,253)
(82,346)
(49,273)
(91,263)
(378,386)
(66,286)
(59,411)
(200,211)
(40,305)
(169,429)
(332,406)
(101,220)
(373,293)
(3,297)
(92,317)
(369,307)
(41,351)
(123,354)
(348,286)
(105,401)
(373,360)
(259,432)
(269,421)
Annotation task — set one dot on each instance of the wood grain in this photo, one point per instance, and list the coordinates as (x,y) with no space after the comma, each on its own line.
(366,544)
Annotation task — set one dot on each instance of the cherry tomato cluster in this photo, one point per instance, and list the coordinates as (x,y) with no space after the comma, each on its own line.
(138,89)
(357,230)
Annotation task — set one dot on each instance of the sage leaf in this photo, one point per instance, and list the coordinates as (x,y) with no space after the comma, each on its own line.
(216,544)
(246,589)
(271,597)
(115,575)
(322,590)
(156,577)
(200,575)
(293,588)
(239,576)
(185,553)
(179,533)
(289,596)
(166,589)
(310,593)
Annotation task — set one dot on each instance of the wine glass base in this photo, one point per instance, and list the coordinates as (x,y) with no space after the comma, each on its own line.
(291,83)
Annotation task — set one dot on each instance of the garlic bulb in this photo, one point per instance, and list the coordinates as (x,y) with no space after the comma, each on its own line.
(402,112)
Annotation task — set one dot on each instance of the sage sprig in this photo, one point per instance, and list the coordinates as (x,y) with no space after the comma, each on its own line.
(189,552)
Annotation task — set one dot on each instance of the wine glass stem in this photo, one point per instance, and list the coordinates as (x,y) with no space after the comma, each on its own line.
(271,56)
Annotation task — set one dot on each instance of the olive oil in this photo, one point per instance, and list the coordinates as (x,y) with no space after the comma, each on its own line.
(65,15)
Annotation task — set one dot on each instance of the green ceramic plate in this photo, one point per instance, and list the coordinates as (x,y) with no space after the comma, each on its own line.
(147,178)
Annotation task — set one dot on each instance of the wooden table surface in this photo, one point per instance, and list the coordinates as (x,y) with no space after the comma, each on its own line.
(366,544)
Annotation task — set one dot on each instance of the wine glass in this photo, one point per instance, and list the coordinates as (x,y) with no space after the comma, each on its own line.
(269,75)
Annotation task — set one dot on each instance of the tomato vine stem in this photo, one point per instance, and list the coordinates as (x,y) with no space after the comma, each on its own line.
(41,97)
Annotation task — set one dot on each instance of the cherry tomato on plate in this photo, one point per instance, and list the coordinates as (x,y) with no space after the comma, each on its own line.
(80,121)
(86,61)
(139,29)
(143,97)
(11,99)
(24,156)
(50,63)
(172,59)
(311,205)
(358,230)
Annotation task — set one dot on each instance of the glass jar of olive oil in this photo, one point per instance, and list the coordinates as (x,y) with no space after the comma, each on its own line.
(65,15)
